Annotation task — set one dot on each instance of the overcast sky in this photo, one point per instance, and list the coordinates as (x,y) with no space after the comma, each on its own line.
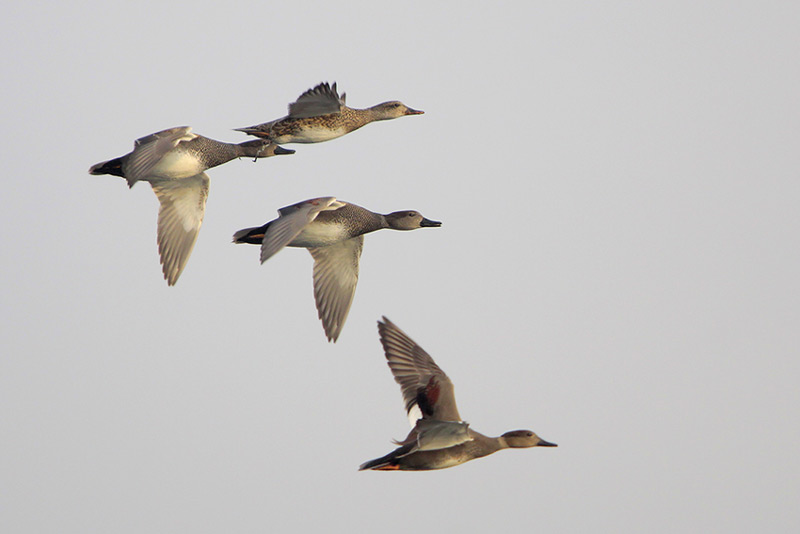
(617,268)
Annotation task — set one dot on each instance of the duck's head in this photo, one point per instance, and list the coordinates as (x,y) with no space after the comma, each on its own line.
(409,220)
(264,148)
(520,439)
(392,110)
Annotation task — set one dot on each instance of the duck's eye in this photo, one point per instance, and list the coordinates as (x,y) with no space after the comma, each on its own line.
(396,105)
(412,213)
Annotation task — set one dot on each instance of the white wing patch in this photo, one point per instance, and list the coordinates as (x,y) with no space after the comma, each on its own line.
(414,414)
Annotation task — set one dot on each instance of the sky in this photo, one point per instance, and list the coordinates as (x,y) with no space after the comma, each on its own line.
(617,268)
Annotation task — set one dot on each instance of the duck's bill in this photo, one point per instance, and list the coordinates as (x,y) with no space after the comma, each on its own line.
(429,223)
(414,112)
(543,443)
(279,150)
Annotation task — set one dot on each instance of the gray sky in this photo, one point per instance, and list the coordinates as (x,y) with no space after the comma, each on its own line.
(617,270)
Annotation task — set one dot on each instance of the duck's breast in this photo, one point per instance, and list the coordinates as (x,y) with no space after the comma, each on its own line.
(321,234)
(178,164)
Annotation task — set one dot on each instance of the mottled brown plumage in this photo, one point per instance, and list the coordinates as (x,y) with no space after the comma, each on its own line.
(320,114)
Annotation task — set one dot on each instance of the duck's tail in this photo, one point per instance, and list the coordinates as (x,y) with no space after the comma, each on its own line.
(390,462)
(113,166)
(384,463)
(259,130)
(252,236)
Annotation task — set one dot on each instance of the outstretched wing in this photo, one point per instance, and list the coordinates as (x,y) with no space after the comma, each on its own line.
(423,384)
(320,100)
(335,279)
(183,204)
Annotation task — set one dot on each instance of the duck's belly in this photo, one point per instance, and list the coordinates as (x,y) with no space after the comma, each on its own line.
(450,462)
(319,234)
(427,460)
(310,134)
(176,165)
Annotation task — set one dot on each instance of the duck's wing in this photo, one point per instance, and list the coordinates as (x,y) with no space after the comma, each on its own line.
(148,151)
(320,100)
(183,204)
(335,279)
(291,222)
(424,385)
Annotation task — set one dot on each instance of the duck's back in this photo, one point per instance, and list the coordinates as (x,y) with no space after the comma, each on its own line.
(356,219)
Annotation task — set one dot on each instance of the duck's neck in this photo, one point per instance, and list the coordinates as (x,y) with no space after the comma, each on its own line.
(359,220)
(488,444)
(501,443)
(360,117)
(370,221)
(378,115)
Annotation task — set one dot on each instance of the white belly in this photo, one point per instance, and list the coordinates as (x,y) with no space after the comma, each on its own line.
(312,135)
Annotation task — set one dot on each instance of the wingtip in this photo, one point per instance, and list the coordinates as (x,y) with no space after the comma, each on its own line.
(331,333)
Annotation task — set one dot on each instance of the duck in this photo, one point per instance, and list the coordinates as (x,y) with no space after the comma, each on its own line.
(439,438)
(173,161)
(333,232)
(320,114)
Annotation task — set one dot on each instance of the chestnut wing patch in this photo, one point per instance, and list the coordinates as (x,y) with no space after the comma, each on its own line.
(428,395)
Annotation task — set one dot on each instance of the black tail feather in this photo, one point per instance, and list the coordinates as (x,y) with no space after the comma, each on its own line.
(252,236)
(377,463)
(113,166)
(390,461)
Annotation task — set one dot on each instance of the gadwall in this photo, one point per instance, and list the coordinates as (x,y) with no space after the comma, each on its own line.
(439,438)
(173,162)
(333,232)
(320,115)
